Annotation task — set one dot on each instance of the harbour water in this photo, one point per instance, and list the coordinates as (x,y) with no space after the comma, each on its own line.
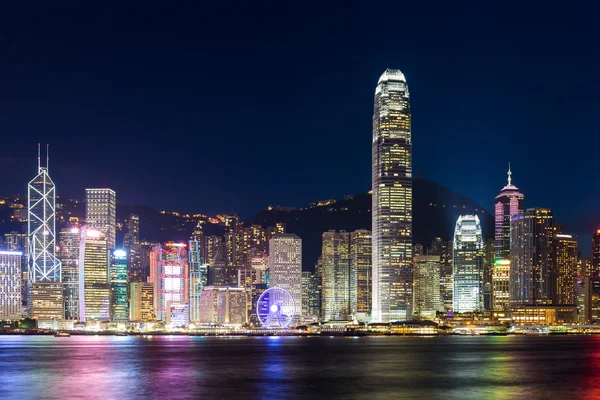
(181,367)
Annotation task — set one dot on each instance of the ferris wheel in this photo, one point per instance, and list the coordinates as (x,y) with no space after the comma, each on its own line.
(275,308)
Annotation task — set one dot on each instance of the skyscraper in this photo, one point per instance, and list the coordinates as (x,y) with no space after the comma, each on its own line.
(142,301)
(360,272)
(468,265)
(427,286)
(10,285)
(172,277)
(119,294)
(41,227)
(335,257)
(508,203)
(501,285)
(392,199)
(285,266)
(595,264)
(101,213)
(132,246)
(69,240)
(198,277)
(531,270)
(565,259)
(94,288)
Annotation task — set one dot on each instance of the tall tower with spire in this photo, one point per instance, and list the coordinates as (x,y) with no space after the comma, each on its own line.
(509,202)
(43,266)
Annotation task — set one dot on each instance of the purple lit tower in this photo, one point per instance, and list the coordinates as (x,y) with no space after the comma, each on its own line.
(508,203)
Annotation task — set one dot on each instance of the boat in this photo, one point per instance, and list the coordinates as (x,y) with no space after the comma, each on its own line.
(121,334)
(62,334)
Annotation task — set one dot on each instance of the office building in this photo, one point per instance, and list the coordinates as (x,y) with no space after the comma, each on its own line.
(132,246)
(213,246)
(94,287)
(119,294)
(10,285)
(565,261)
(426,270)
(47,301)
(532,279)
(508,204)
(501,285)
(198,277)
(285,266)
(392,200)
(101,213)
(336,293)
(595,262)
(142,301)
(360,266)
(69,242)
(172,277)
(223,305)
(468,265)
(217,272)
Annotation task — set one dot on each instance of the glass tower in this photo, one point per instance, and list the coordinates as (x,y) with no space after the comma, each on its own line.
(392,199)
(508,203)
(101,213)
(468,265)
(119,296)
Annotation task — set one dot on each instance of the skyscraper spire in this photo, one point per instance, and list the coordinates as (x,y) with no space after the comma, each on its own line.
(39,156)
(509,174)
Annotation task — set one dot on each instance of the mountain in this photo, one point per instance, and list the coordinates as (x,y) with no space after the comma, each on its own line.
(435,211)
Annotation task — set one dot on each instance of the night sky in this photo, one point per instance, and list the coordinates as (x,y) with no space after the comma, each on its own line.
(238,106)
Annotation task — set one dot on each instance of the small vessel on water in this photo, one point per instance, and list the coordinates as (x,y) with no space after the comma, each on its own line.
(62,334)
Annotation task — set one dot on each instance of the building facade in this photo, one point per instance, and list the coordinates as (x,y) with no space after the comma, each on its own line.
(172,277)
(94,286)
(141,307)
(392,200)
(10,285)
(336,279)
(69,242)
(223,305)
(119,287)
(427,291)
(468,265)
(508,204)
(101,213)
(565,259)
(595,262)
(532,277)
(501,285)
(285,266)
(361,257)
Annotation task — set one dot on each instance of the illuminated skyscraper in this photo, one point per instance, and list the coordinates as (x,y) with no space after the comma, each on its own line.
(43,264)
(101,213)
(198,275)
(213,245)
(565,259)
(360,273)
(119,295)
(427,286)
(531,269)
(132,246)
(172,277)
(142,301)
(285,266)
(392,199)
(501,285)
(223,305)
(336,292)
(69,240)
(10,285)
(468,265)
(508,203)
(94,287)
(595,264)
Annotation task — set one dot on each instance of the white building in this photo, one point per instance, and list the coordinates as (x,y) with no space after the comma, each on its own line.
(285,266)
(101,213)
(468,265)
(10,285)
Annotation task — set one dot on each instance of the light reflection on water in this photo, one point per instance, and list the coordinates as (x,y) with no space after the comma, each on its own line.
(173,367)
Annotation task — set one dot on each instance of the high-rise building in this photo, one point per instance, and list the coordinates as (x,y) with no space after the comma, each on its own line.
(426,280)
(94,287)
(360,266)
(595,263)
(532,279)
(132,246)
(468,265)
(501,285)
(285,266)
(223,305)
(336,293)
(101,213)
(119,294)
(43,265)
(198,277)
(69,242)
(10,285)
(217,274)
(508,204)
(47,302)
(213,246)
(310,304)
(488,266)
(392,199)
(172,277)
(142,301)
(565,259)
(443,249)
